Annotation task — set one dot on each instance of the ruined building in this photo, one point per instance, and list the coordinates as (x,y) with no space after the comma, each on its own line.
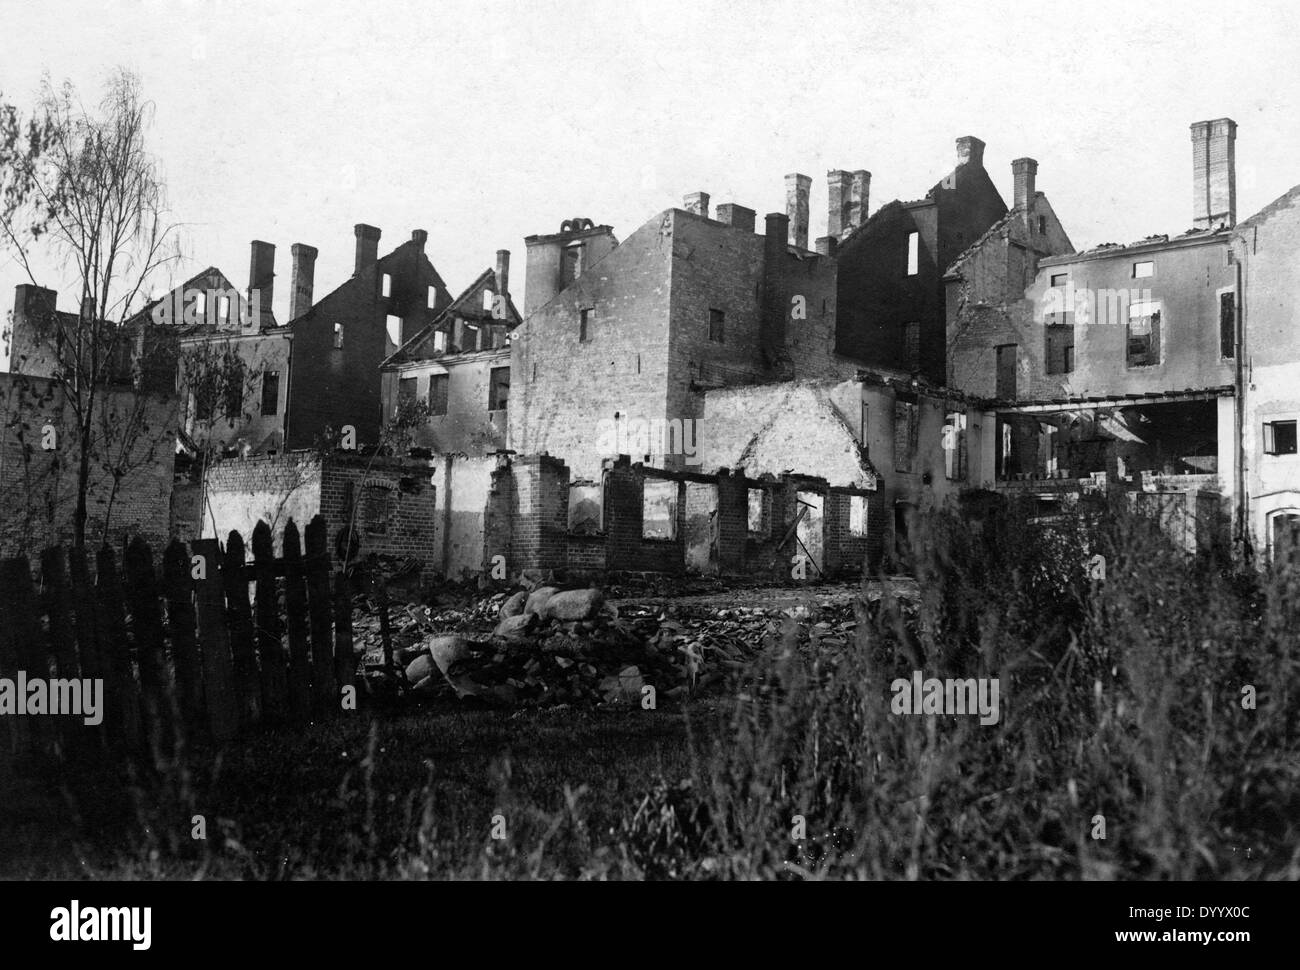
(340,341)
(890,289)
(458,368)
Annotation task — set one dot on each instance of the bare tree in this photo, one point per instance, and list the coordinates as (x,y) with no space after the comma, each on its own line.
(82,182)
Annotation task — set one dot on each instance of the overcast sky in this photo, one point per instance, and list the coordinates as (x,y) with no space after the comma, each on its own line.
(486,122)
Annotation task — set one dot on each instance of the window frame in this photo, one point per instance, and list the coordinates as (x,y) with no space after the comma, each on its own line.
(1269,437)
(1155,332)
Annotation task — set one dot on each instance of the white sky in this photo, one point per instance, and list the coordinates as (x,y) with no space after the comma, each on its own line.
(486,122)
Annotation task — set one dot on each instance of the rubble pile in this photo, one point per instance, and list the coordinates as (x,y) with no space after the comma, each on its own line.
(543,646)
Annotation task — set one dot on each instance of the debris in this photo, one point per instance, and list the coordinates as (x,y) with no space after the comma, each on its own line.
(514,605)
(537,599)
(572,605)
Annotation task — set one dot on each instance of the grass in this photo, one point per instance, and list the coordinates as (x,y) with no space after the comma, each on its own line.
(1126,749)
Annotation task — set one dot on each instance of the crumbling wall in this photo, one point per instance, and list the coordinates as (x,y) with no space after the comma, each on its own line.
(240,492)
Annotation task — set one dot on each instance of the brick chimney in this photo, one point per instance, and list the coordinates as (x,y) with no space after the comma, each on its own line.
(302,280)
(1214,173)
(736,216)
(1024,172)
(261,280)
(420,238)
(772,326)
(503,272)
(970,150)
(797,188)
(838,200)
(698,203)
(859,195)
(367,248)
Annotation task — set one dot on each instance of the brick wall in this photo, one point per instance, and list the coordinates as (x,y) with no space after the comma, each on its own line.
(38,487)
(240,492)
(391,500)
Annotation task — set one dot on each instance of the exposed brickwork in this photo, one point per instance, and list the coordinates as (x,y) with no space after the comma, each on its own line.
(38,487)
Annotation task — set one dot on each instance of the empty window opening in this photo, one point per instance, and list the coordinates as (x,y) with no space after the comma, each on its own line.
(759,518)
(585,508)
(570,264)
(857,515)
(428,296)
(1060,279)
(906,421)
(1144,269)
(499,389)
(913,253)
(440,342)
(1227,325)
(338,336)
(954,446)
(584,325)
(387,285)
(376,508)
(270,392)
(394,327)
(438,387)
(659,510)
(717,321)
(488,299)
(1143,334)
(1042,225)
(1280,438)
(406,393)
(1060,348)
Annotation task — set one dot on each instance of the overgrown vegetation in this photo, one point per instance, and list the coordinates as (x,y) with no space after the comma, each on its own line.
(1158,701)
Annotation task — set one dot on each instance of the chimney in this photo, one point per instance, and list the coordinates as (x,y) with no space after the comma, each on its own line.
(367,248)
(302,280)
(736,216)
(838,202)
(88,307)
(772,325)
(261,280)
(970,150)
(859,194)
(698,203)
(1214,173)
(503,272)
(418,236)
(826,245)
(1024,173)
(796,208)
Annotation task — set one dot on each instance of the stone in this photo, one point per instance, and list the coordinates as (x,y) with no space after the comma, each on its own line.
(514,605)
(573,606)
(515,627)
(537,599)
(419,668)
(446,649)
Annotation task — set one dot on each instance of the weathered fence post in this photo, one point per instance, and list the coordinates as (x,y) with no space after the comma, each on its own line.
(240,617)
(16,640)
(58,608)
(270,630)
(325,694)
(89,653)
(121,701)
(142,596)
(214,642)
(345,663)
(185,650)
(295,606)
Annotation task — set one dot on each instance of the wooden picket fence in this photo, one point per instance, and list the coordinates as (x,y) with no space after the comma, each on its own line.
(184,654)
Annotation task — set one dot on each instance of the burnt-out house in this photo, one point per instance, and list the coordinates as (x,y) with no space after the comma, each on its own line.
(617,358)
(340,341)
(890,288)
(458,370)
(1118,365)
